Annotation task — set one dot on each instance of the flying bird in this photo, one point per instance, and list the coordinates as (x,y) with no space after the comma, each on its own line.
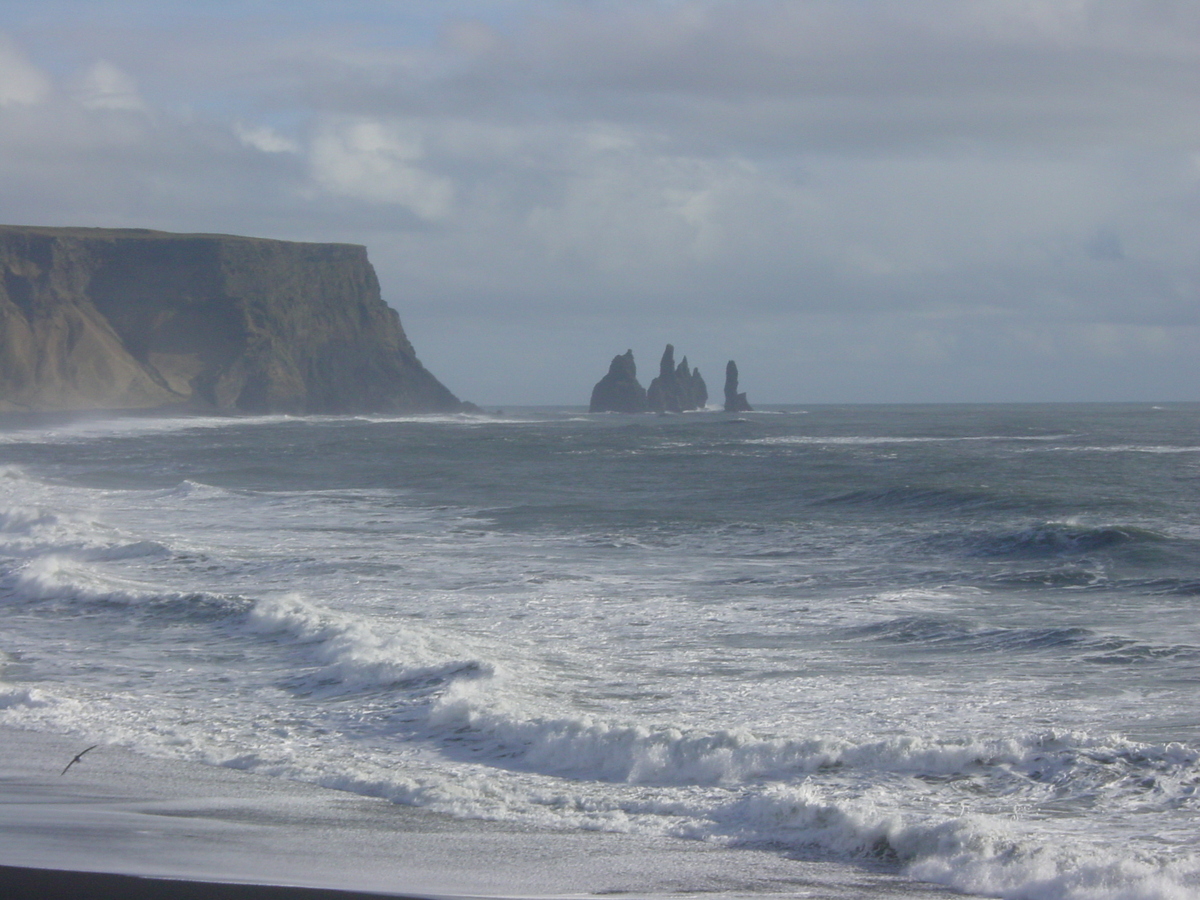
(78,757)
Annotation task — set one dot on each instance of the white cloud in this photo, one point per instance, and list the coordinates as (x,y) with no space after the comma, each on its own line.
(104,86)
(21,83)
(378,162)
(265,139)
(636,210)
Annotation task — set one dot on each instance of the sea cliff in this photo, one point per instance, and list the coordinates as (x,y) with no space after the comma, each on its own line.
(127,318)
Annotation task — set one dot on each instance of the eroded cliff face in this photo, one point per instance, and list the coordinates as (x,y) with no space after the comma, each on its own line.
(122,318)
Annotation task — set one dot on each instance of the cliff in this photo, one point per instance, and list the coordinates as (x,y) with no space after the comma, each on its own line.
(127,318)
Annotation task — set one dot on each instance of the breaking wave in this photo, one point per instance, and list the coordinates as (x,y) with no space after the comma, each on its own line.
(1060,539)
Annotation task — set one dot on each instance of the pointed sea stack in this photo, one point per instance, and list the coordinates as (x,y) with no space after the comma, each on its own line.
(693,392)
(699,390)
(619,390)
(734,402)
(676,389)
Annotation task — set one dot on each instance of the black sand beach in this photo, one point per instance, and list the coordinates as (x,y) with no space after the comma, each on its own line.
(52,884)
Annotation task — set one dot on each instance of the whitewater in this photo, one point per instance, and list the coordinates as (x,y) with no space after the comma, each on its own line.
(958,645)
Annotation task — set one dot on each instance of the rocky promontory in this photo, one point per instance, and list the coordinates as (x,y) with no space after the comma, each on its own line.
(127,318)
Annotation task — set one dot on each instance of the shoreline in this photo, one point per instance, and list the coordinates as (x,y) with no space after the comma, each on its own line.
(119,824)
(20,882)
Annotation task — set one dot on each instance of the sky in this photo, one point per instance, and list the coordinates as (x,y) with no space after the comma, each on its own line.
(858,200)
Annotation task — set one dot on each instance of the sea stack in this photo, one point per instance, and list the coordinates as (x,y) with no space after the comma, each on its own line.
(619,390)
(95,318)
(734,402)
(676,389)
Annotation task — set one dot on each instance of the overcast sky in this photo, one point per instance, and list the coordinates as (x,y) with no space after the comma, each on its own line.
(858,200)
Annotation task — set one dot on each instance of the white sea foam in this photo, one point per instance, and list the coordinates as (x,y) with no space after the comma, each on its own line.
(26,697)
(471,419)
(984,854)
(354,656)
(188,490)
(1155,449)
(587,747)
(23,520)
(984,858)
(89,429)
(872,440)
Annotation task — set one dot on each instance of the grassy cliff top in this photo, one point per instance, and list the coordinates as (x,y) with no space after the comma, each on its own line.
(148,234)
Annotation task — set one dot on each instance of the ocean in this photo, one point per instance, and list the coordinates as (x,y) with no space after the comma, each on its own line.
(956,644)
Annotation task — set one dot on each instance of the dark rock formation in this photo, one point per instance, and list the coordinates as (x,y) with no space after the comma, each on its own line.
(734,402)
(693,392)
(117,319)
(699,390)
(676,389)
(619,390)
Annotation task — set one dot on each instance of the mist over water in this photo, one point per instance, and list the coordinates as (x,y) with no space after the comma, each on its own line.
(957,642)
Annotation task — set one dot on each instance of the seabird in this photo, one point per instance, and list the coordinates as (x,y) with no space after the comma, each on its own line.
(78,757)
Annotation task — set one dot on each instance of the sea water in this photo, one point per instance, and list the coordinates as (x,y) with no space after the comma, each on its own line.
(960,643)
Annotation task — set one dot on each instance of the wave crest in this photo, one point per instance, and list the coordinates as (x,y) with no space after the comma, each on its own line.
(990,855)
(352,656)
(1062,538)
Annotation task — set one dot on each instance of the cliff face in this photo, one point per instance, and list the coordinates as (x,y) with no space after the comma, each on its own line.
(119,319)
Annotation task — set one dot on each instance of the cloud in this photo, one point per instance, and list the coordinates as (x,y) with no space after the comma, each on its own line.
(834,75)
(104,86)
(21,83)
(378,162)
(265,139)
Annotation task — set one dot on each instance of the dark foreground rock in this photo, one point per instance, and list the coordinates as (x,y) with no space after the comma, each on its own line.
(127,318)
(734,402)
(619,390)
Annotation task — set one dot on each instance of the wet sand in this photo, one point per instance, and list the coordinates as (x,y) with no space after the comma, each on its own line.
(119,824)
